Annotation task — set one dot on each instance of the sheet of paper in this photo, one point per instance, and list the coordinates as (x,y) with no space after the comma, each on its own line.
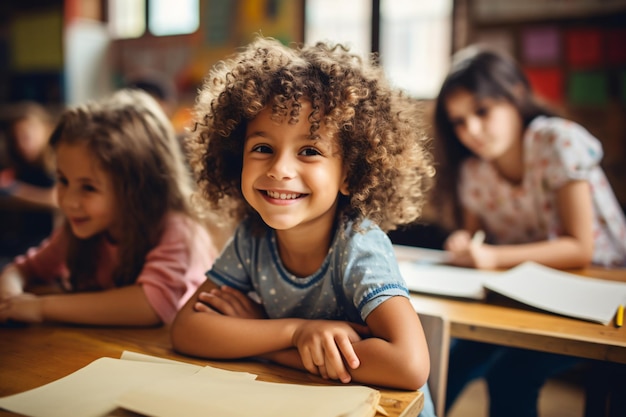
(142,357)
(561,292)
(445,280)
(217,372)
(202,394)
(161,387)
(420,255)
(92,390)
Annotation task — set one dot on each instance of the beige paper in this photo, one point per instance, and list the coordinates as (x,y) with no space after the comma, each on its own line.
(92,390)
(161,387)
(203,394)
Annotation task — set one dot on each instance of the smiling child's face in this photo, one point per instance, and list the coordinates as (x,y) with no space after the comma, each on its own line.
(289,179)
(85,192)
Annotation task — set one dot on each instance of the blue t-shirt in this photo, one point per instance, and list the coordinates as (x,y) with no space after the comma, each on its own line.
(359,273)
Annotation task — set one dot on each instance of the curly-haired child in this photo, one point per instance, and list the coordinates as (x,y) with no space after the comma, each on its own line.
(131,250)
(318,156)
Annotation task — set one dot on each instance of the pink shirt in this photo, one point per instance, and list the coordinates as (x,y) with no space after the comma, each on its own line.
(172,271)
(556,151)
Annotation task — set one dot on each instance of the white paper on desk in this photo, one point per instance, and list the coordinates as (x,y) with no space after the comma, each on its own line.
(450,281)
(92,390)
(561,292)
(421,255)
(202,394)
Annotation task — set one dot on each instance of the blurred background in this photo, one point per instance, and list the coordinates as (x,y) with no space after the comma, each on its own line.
(57,53)
(62,52)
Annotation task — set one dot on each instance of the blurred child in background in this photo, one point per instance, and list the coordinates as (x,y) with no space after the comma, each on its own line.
(131,250)
(27,194)
(532,182)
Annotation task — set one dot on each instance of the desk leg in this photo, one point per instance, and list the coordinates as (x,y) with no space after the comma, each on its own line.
(437,332)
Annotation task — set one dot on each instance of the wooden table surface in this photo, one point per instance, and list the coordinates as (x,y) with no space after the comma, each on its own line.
(506,322)
(31,356)
(523,327)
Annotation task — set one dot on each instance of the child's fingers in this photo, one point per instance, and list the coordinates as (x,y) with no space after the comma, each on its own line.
(225,304)
(347,351)
(232,302)
(334,365)
(202,308)
(307,360)
(458,241)
(236,294)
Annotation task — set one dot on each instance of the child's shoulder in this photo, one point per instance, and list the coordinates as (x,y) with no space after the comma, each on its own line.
(366,235)
(560,133)
(555,128)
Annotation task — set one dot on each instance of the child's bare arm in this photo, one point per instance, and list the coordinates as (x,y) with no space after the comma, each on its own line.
(229,302)
(396,355)
(572,249)
(120,306)
(202,331)
(323,347)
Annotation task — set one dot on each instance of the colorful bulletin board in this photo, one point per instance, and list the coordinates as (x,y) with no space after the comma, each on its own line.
(582,66)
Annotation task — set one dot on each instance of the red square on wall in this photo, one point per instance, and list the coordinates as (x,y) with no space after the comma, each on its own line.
(547,83)
(584,47)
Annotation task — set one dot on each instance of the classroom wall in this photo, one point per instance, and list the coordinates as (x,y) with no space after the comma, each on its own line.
(58,52)
(224,26)
(31,51)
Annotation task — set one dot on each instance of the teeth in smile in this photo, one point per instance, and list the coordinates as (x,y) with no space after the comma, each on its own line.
(283,196)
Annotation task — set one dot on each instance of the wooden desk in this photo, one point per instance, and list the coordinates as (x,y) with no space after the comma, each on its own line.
(517,325)
(524,328)
(32,356)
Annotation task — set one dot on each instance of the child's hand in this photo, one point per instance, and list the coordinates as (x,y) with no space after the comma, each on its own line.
(11,282)
(323,345)
(25,307)
(464,252)
(229,302)
(458,241)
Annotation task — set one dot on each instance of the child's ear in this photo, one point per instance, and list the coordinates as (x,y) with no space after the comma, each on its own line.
(343,188)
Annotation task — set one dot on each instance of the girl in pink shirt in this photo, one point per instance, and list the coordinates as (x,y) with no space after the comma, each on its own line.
(131,250)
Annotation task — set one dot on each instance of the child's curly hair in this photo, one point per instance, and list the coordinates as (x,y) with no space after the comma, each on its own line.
(378,128)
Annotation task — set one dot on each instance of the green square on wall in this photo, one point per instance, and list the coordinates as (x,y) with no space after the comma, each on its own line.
(588,88)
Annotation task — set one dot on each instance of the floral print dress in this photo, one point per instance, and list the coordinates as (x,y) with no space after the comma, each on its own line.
(556,151)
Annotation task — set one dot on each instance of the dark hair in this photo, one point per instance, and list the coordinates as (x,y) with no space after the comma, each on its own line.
(134,142)
(378,128)
(483,73)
